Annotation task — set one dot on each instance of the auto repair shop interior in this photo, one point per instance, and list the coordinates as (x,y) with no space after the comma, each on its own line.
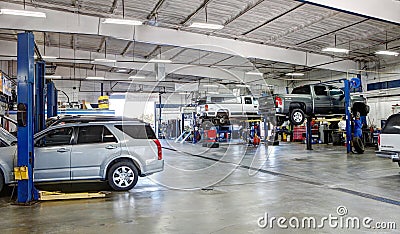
(199,116)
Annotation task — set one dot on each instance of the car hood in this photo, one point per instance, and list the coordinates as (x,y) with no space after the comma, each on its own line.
(7,137)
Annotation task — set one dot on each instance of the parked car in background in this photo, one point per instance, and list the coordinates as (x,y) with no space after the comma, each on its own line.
(315,100)
(115,151)
(389,139)
(220,109)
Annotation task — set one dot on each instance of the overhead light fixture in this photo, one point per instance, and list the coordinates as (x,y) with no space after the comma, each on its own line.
(160,61)
(212,92)
(387,52)
(22,13)
(182,93)
(295,74)
(104,60)
(256,73)
(122,22)
(137,77)
(53,77)
(122,70)
(95,78)
(242,86)
(206,26)
(291,79)
(211,85)
(336,50)
(49,57)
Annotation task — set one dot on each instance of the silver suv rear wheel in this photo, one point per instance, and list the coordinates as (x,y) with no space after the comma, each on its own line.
(122,176)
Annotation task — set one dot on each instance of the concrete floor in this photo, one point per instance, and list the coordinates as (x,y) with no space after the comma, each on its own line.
(226,190)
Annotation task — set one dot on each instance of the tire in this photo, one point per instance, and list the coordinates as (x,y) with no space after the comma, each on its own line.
(207,125)
(358,145)
(279,121)
(129,173)
(1,181)
(360,108)
(297,117)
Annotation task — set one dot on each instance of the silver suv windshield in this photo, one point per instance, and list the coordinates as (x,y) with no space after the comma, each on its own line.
(7,137)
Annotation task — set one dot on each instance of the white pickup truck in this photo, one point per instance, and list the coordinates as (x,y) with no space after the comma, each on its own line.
(220,109)
(389,139)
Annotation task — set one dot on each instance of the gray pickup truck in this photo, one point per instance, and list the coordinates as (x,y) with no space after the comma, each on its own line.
(315,100)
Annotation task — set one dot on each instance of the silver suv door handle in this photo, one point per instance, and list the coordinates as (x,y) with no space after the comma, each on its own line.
(62,150)
(111,147)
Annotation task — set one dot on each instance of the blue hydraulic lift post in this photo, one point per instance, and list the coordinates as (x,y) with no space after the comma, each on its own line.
(40,119)
(348,114)
(25,97)
(51,100)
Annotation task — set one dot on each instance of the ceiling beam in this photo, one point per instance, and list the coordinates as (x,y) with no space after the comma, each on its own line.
(273,19)
(249,6)
(114,6)
(384,10)
(155,9)
(65,22)
(197,11)
(125,50)
(331,32)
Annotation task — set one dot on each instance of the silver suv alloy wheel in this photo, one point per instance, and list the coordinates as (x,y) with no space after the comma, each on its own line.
(123,176)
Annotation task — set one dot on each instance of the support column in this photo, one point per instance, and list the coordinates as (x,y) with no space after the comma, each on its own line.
(40,119)
(25,99)
(348,114)
(51,100)
(309,134)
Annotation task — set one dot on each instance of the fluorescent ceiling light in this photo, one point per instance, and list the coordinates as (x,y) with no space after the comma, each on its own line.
(137,77)
(210,85)
(206,26)
(254,73)
(181,93)
(22,13)
(95,78)
(213,92)
(336,50)
(53,77)
(49,57)
(242,86)
(122,70)
(122,21)
(104,60)
(160,61)
(386,52)
(290,79)
(295,74)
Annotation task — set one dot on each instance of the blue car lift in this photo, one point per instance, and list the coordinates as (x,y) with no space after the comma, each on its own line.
(347,102)
(25,98)
(52,95)
(40,119)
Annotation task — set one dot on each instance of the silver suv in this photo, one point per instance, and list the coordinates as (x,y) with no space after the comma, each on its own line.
(116,151)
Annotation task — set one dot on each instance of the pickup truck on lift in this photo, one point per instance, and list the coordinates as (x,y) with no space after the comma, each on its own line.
(315,100)
(220,109)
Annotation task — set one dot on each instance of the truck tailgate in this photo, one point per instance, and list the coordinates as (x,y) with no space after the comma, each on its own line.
(390,142)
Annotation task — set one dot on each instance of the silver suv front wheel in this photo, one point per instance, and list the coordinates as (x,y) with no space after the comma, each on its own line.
(122,176)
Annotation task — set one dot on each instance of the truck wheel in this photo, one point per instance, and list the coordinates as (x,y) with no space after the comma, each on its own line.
(279,121)
(207,125)
(361,108)
(297,117)
(358,145)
